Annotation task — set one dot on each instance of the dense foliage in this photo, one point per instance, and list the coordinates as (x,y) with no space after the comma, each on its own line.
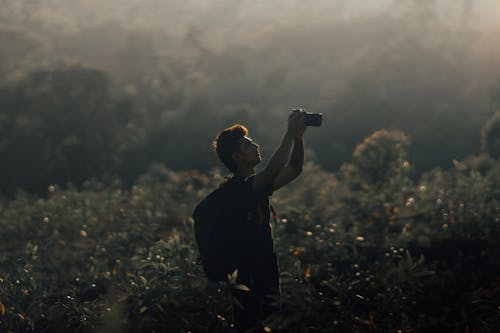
(358,252)
(54,120)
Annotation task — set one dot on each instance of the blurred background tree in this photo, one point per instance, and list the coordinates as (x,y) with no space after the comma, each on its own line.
(490,136)
(374,183)
(381,157)
(62,125)
(430,75)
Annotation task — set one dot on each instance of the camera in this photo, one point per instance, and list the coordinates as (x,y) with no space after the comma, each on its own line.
(313,119)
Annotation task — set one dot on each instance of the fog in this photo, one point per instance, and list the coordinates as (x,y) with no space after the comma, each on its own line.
(186,69)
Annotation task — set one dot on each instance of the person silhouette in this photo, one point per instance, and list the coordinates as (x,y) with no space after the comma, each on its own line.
(249,212)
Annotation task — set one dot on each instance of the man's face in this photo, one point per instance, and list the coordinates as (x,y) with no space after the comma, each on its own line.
(249,153)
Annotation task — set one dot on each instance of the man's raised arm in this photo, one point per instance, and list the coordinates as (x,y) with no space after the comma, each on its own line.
(265,179)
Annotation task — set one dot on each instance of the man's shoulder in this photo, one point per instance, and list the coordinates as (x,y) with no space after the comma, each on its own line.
(238,183)
(243,185)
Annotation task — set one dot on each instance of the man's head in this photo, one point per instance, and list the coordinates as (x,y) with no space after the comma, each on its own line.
(235,149)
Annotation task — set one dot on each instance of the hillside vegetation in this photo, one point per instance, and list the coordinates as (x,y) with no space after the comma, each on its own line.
(367,249)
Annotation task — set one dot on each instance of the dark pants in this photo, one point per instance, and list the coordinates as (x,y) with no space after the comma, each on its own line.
(251,307)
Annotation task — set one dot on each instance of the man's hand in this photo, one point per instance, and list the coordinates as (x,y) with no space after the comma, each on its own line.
(296,123)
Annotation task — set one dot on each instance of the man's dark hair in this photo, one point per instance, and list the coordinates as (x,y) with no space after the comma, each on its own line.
(227,143)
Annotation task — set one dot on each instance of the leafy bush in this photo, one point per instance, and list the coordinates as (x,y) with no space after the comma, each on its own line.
(355,255)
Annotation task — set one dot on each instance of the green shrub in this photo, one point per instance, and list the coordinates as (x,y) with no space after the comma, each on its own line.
(355,255)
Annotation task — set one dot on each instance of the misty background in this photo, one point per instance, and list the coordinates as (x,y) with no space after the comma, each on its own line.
(106,88)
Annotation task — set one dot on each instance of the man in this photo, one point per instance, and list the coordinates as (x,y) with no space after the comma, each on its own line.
(248,208)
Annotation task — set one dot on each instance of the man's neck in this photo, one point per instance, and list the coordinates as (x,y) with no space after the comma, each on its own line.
(244,172)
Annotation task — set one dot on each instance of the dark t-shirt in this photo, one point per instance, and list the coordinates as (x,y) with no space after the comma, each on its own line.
(251,233)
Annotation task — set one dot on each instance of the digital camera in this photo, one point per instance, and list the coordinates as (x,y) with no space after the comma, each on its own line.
(313,119)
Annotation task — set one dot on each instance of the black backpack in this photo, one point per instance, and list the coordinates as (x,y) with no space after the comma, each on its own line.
(211,230)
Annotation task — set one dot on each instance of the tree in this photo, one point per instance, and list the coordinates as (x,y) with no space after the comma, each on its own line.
(381,157)
(62,125)
(490,136)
